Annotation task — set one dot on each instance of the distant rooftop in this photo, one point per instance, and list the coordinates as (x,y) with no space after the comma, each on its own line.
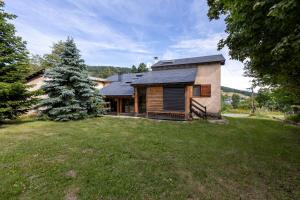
(194,60)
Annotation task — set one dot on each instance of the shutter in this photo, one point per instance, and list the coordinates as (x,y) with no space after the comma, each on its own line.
(205,90)
(174,98)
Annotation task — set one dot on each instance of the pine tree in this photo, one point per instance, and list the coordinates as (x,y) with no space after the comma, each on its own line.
(15,99)
(142,68)
(72,94)
(134,69)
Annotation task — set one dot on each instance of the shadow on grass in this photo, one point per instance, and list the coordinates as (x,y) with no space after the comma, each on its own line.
(20,121)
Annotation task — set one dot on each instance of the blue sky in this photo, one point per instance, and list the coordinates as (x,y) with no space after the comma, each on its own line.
(123,33)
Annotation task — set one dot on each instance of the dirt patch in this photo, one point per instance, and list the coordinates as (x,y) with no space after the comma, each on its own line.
(197,188)
(71,194)
(71,174)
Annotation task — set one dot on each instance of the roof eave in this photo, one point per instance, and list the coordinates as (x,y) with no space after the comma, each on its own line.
(171,83)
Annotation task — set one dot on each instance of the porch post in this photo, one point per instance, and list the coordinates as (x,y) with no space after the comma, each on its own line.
(121,105)
(188,96)
(118,106)
(136,107)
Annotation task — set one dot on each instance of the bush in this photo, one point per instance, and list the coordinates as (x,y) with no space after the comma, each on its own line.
(294,118)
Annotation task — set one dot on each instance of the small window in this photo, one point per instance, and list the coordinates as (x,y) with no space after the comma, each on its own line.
(203,90)
(196,91)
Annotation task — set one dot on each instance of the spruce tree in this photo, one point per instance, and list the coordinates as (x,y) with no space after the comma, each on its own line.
(15,99)
(72,94)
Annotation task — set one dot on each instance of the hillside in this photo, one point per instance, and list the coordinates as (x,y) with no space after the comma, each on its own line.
(106,71)
(233,90)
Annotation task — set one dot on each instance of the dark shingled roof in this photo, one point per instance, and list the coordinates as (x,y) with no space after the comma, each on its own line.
(174,75)
(177,76)
(117,89)
(194,60)
(124,88)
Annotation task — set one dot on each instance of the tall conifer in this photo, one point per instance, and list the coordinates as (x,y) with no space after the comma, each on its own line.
(72,94)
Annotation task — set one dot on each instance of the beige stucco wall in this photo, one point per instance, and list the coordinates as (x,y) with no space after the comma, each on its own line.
(36,83)
(210,74)
(99,84)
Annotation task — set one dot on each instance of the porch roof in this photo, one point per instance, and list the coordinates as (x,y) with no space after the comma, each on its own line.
(117,89)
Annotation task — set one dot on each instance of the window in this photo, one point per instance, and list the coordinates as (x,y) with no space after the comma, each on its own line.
(196,91)
(203,90)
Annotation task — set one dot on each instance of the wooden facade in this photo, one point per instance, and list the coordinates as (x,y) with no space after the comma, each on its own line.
(155,103)
(155,99)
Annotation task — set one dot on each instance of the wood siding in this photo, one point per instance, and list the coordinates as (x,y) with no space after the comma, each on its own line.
(154,99)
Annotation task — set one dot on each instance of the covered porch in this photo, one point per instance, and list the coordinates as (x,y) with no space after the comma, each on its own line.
(156,101)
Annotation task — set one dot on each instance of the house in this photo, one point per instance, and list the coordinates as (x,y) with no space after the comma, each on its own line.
(174,89)
(37,79)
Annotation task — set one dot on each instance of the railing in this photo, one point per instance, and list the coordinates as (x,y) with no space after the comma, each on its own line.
(167,115)
(198,109)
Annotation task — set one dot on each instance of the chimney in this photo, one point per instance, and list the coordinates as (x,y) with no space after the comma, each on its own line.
(120,76)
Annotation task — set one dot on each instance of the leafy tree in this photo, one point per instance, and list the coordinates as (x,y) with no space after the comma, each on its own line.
(72,94)
(35,63)
(14,66)
(54,58)
(142,68)
(264,34)
(264,98)
(134,69)
(235,100)
(106,71)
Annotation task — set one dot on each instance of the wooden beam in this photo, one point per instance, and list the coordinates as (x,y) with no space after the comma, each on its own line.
(118,106)
(136,106)
(188,96)
(121,105)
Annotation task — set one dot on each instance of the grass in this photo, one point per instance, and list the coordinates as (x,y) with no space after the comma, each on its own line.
(114,158)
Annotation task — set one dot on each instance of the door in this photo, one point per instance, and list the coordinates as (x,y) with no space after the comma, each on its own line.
(174,98)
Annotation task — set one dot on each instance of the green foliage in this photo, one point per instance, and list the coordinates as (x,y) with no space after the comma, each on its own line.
(14,66)
(106,71)
(265,35)
(54,58)
(294,118)
(71,93)
(142,68)
(235,100)
(224,106)
(275,99)
(134,69)
(265,99)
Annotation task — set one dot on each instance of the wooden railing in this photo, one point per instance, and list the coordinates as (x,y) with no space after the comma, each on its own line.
(198,109)
(167,115)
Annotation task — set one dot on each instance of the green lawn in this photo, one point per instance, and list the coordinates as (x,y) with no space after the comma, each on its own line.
(114,158)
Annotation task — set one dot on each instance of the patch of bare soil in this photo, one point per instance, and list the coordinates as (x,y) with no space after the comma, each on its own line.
(71,174)
(71,194)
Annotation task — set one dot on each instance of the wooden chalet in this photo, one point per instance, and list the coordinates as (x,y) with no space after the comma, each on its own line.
(177,89)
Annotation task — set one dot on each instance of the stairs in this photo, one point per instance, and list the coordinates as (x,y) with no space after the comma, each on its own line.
(197,109)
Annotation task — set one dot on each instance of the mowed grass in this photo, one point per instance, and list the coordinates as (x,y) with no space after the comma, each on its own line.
(117,158)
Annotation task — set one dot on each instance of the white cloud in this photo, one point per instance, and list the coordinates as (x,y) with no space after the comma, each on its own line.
(91,33)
